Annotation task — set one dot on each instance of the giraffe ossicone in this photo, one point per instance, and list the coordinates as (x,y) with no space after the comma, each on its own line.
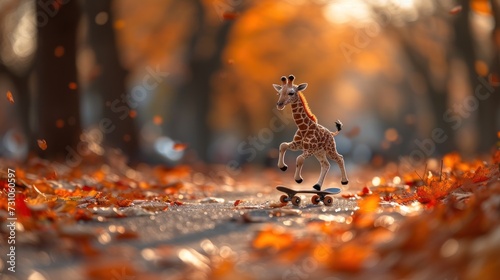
(311,137)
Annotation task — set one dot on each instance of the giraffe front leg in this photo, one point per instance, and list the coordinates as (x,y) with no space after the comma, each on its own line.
(281,158)
(294,145)
(300,163)
(325,167)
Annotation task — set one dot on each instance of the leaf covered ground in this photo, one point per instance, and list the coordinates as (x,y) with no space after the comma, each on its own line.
(113,222)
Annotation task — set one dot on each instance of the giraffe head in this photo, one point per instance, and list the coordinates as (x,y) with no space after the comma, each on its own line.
(287,91)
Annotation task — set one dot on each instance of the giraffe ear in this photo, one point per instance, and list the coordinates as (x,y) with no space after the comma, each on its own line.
(277,87)
(302,86)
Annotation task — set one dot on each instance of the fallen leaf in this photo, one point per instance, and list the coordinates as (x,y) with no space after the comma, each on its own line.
(237,202)
(365,191)
(272,237)
(496,157)
(369,204)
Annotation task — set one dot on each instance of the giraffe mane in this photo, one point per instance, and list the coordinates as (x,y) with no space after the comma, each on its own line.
(306,107)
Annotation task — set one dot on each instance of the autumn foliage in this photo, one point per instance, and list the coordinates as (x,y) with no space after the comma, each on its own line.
(445,220)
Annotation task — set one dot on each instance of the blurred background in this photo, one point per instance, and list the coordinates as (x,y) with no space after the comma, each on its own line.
(182,81)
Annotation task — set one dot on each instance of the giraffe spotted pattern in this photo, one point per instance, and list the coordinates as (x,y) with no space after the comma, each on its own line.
(312,138)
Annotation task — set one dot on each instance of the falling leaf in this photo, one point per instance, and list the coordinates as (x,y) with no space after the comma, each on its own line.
(42,144)
(229,15)
(158,120)
(60,123)
(180,146)
(455,10)
(10,97)
(494,79)
(72,86)
(119,24)
(481,6)
(353,132)
(59,51)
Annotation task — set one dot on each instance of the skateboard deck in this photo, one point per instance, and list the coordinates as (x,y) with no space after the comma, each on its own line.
(318,196)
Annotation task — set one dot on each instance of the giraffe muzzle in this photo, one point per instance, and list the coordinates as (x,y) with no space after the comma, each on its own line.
(280,105)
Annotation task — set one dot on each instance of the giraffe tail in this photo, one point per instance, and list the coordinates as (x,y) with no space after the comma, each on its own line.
(339,125)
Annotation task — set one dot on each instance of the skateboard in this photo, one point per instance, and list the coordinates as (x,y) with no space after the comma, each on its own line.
(317,197)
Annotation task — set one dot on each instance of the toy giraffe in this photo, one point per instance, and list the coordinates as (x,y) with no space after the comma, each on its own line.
(311,137)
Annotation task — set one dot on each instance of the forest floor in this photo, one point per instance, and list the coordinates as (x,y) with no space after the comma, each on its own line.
(153,222)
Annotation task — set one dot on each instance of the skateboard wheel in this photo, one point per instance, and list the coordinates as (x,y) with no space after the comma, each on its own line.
(315,199)
(296,200)
(328,201)
(284,198)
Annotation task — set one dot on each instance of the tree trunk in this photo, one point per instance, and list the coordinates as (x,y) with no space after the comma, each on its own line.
(57,102)
(190,111)
(110,83)
(486,121)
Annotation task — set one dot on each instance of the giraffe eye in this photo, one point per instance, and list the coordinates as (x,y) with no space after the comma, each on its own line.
(291,93)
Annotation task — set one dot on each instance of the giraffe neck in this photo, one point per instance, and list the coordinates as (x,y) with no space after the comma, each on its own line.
(302,114)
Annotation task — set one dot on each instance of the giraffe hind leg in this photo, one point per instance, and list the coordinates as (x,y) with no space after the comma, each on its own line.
(300,163)
(325,167)
(339,159)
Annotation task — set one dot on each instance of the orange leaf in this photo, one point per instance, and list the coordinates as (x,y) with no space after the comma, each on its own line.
(229,15)
(496,157)
(455,10)
(157,120)
(59,51)
(237,202)
(451,160)
(369,204)
(365,191)
(180,146)
(481,174)
(494,79)
(124,202)
(10,97)
(273,238)
(481,6)
(73,85)
(42,144)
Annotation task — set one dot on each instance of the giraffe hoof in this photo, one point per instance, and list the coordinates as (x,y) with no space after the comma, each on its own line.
(299,181)
(345,183)
(284,168)
(317,187)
